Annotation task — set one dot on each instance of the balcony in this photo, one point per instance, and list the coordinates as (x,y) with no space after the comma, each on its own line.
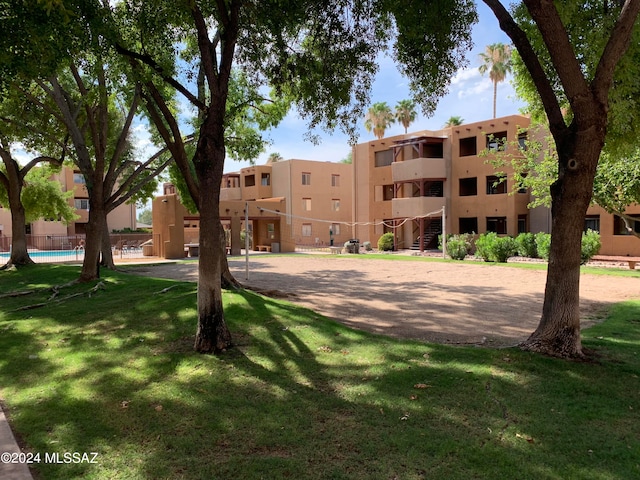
(418,168)
(233,193)
(415,206)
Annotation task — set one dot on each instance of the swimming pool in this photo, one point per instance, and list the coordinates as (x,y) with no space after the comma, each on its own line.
(50,256)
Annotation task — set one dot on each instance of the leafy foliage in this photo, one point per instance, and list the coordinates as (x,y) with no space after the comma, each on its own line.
(405,113)
(497,61)
(379,118)
(526,244)
(458,246)
(492,248)
(385,242)
(590,245)
(543,244)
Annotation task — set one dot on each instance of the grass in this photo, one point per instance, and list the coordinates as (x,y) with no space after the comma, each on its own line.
(300,396)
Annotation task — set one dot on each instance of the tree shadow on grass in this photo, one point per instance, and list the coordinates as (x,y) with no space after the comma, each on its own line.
(303,397)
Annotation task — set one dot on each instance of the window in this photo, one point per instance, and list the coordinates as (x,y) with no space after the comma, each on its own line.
(592,222)
(384,158)
(306,229)
(306,178)
(620,228)
(497,225)
(468,187)
(522,223)
(79,178)
(271,230)
(468,224)
(496,185)
(335,205)
(497,142)
(306,204)
(433,150)
(468,147)
(387,192)
(522,188)
(265,181)
(335,228)
(335,180)
(250,181)
(522,141)
(81,203)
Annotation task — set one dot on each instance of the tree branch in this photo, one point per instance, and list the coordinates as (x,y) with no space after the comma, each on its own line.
(616,47)
(147,60)
(529,57)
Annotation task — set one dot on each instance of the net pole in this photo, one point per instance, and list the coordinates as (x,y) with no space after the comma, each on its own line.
(444,233)
(246,241)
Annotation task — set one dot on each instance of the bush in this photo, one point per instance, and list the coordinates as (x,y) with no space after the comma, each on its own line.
(492,248)
(385,242)
(543,243)
(526,243)
(503,248)
(590,245)
(367,246)
(458,246)
(484,244)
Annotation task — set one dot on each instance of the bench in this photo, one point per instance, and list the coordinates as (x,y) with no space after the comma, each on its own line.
(631,261)
(193,249)
(263,248)
(336,250)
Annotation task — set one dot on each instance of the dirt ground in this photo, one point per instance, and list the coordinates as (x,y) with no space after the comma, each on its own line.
(470,303)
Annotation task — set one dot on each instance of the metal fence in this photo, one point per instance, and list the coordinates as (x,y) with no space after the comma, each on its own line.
(70,248)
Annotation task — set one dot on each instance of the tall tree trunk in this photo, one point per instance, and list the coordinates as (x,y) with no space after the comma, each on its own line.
(93,245)
(19,254)
(495,97)
(213,335)
(106,253)
(558,333)
(229,282)
(13,182)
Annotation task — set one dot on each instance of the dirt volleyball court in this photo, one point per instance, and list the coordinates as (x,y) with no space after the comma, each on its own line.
(467,303)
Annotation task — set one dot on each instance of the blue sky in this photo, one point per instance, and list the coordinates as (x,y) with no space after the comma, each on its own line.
(470,97)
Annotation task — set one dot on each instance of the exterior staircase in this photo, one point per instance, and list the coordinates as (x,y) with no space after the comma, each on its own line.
(431,232)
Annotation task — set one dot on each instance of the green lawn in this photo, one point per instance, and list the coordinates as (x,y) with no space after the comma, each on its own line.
(300,397)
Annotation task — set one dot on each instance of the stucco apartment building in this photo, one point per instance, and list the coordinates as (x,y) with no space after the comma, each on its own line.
(121,218)
(290,203)
(402,184)
(405,182)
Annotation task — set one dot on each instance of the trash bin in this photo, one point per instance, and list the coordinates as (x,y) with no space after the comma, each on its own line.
(147,250)
(275,247)
(353,245)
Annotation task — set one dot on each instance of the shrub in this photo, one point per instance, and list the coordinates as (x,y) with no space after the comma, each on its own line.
(385,242)
(483,245)
(590,245)
(526,243)
(503,248)
(492,248)
(543,242)
(458,246)
(367,246)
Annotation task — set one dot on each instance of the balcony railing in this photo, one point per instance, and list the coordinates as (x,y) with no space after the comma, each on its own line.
(415,206)
(418,168)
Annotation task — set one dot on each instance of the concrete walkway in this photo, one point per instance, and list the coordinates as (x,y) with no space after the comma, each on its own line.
(8,445)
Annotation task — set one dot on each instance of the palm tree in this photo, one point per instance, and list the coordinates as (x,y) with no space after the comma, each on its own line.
(454,121)
(379,118)
(405,113)
(497,61)
(274,157)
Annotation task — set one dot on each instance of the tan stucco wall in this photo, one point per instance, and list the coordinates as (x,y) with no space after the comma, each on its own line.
(287,183)
(369,181)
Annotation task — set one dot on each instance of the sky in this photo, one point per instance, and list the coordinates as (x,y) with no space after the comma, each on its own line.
(470,97)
